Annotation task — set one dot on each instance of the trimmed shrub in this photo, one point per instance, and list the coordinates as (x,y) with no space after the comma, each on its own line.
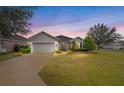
(25,50)
(22,48)
(89,43)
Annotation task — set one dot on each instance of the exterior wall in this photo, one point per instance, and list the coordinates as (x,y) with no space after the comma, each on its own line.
(122,46)
(63,46)
(57,45)
(78,42)
(108,46)
(0,44)
(9,45)
(115,45)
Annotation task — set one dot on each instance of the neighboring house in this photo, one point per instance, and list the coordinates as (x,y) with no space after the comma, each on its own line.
(8,44)
(43,42)
(114,45)
(65,41)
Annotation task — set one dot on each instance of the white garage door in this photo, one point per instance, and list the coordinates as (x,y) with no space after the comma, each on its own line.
(43,47)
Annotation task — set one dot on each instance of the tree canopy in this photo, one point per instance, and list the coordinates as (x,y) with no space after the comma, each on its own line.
(15,20)
(89,43)
(103,34)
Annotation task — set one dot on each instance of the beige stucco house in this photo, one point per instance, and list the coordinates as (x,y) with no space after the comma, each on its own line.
(39,43)
(46,43)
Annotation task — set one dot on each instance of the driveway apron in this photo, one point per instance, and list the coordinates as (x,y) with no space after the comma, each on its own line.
(23,70)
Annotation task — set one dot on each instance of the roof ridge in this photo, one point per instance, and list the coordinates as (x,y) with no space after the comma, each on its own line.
(44,33)
(64,36)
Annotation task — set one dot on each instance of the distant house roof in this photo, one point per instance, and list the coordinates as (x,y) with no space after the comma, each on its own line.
(14,37)
(78,38)
(64,38)
(41,33)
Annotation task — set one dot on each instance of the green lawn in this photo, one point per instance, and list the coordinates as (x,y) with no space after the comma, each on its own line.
(7,56)
(103,68)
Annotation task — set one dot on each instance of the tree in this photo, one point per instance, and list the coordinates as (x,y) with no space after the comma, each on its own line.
(73,45)
(89,43)
(15,20)
(103,34)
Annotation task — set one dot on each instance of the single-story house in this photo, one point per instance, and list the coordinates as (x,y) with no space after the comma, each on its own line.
(8,44)
(39,43)
(46,43)
(43,42)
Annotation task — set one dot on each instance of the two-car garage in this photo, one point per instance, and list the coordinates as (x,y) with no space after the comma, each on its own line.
(43,47)
(43,43)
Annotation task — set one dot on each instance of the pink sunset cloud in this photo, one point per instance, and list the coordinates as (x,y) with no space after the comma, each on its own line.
(59,30)
(120,29)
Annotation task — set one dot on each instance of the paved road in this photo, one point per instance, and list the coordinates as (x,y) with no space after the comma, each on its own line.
(23,70)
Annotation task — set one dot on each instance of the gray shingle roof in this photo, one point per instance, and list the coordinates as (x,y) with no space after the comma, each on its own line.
(64,38)
(78,38)
(14,37)
(43,33)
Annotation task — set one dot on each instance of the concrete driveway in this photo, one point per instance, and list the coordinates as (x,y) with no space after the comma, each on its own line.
(23,70)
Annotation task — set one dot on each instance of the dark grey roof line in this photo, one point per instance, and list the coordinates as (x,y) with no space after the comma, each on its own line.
(49,35)
(13,37)
(79,38)
(64,38)
(44,33)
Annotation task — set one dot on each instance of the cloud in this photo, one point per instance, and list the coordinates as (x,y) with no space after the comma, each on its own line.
(60,30)
(120,29)
(62,23)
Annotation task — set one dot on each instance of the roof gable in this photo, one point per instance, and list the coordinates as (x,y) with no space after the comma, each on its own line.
(40,33)
(79,38)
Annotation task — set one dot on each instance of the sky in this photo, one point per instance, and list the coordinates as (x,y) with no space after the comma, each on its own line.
(74,21)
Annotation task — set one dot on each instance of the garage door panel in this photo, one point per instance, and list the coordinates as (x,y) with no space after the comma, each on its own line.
(37,48)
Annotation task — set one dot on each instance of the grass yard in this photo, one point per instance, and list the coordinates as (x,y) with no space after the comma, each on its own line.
(7,56)
(103,68)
